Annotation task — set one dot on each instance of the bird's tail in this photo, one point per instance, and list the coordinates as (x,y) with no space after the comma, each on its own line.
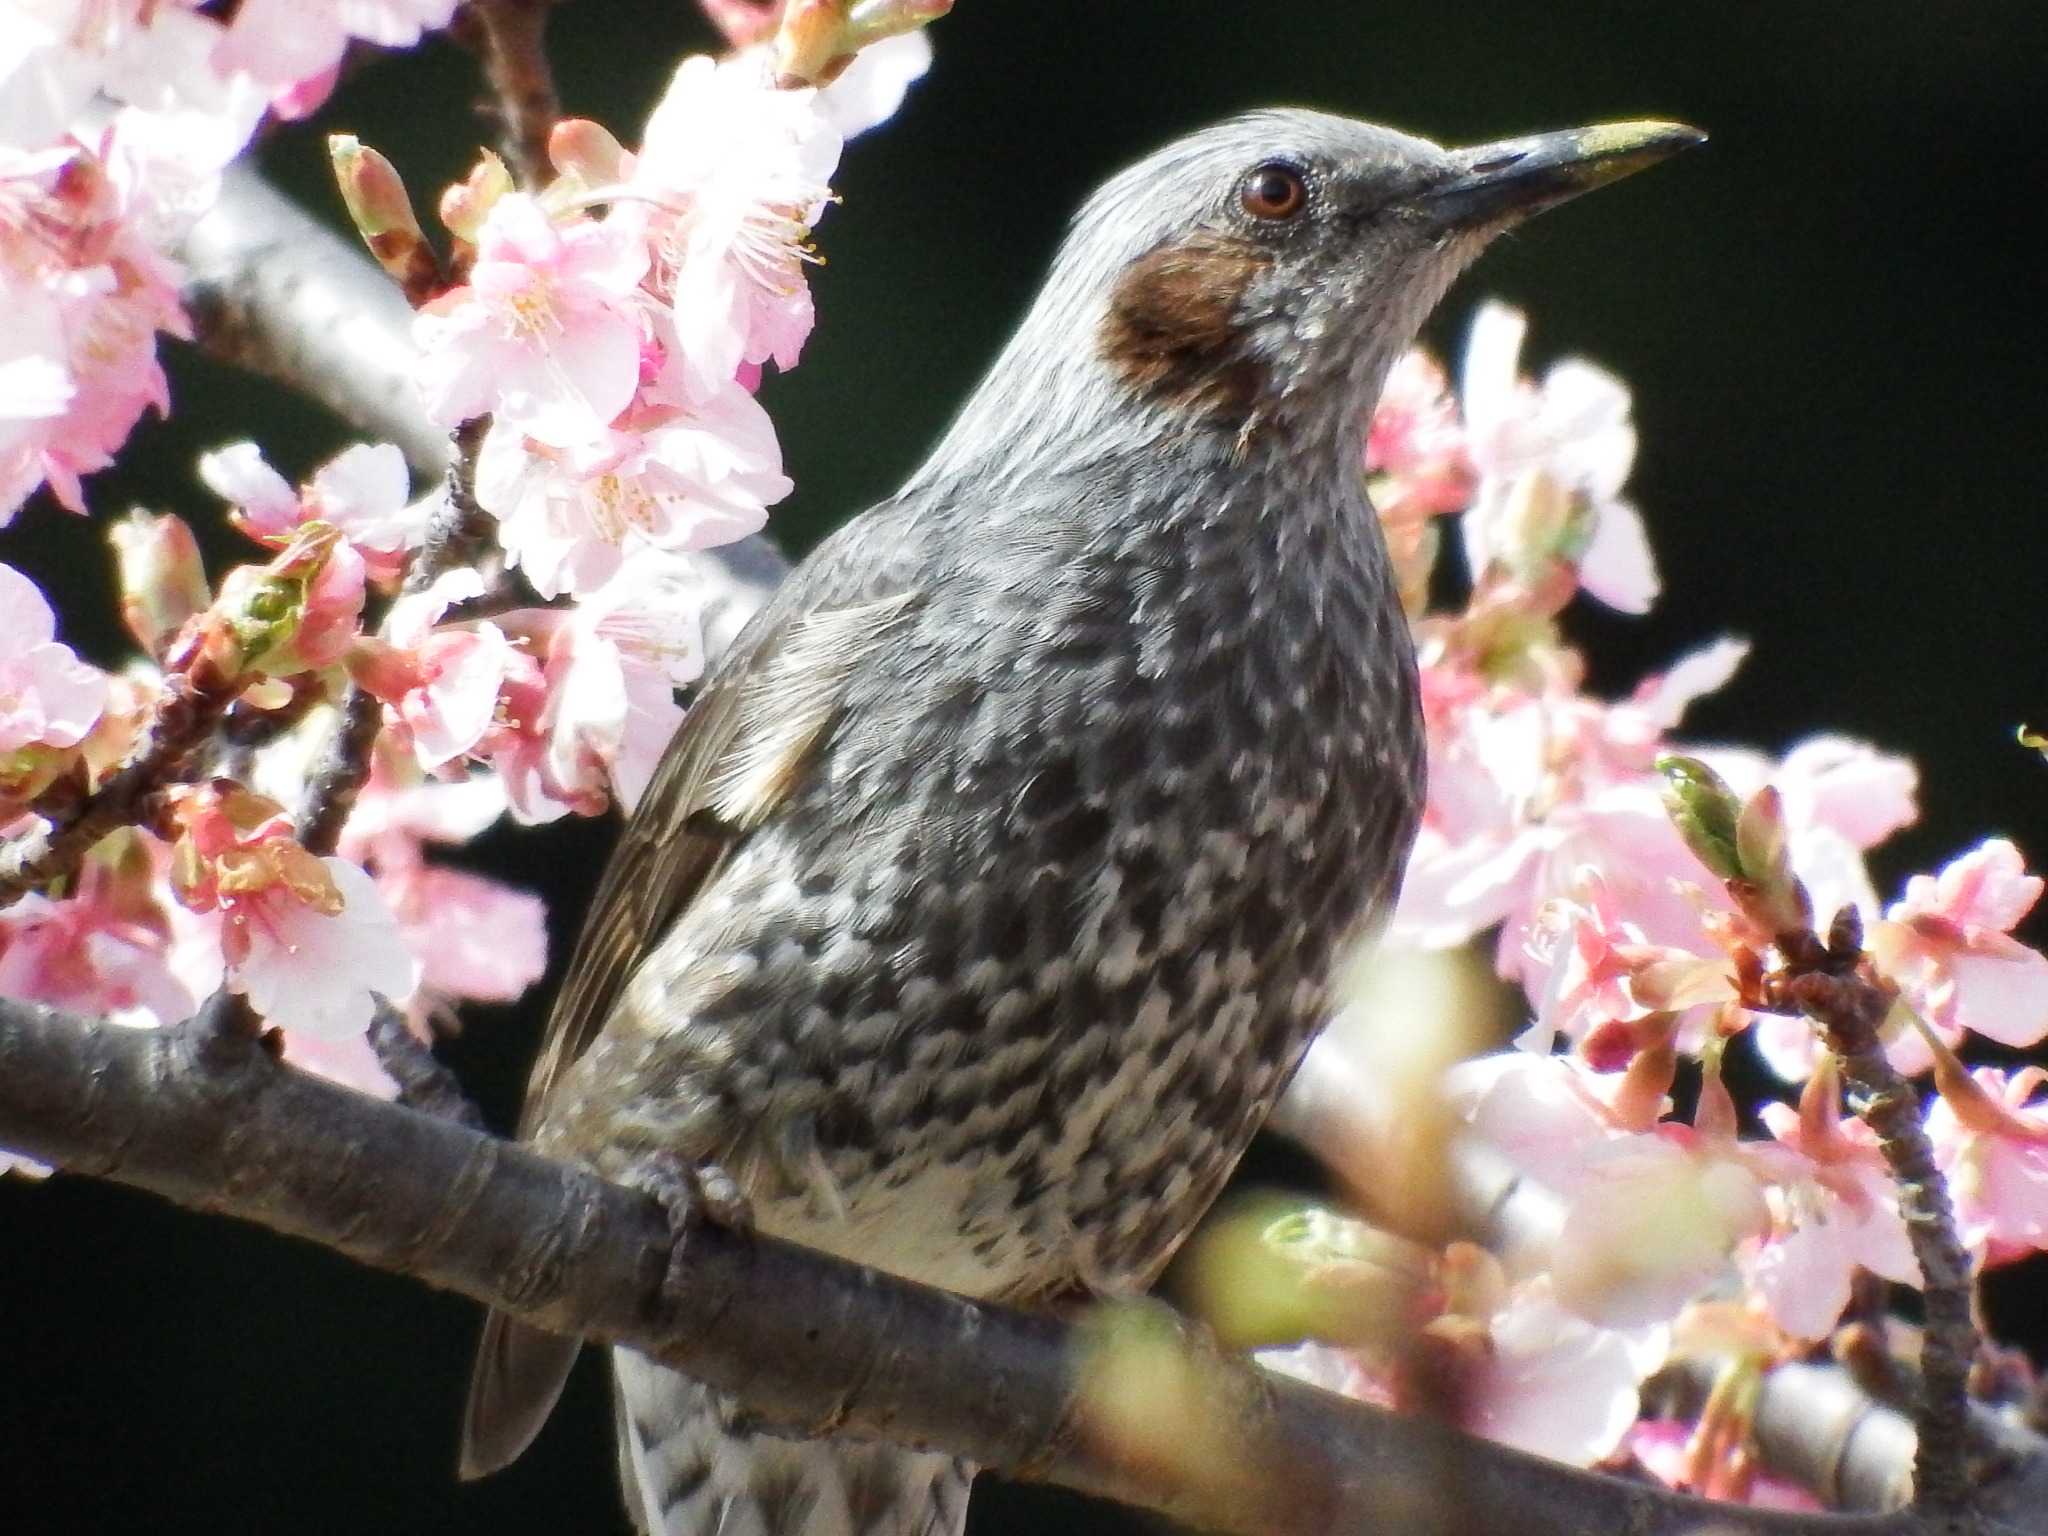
(691,1464)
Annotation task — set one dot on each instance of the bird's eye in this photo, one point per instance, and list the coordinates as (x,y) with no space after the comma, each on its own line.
(1274,191)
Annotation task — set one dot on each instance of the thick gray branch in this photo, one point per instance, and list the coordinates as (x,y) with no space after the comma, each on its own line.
(279,293)
(215,1123)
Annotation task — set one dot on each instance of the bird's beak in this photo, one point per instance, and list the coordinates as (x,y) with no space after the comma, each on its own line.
(1505,182)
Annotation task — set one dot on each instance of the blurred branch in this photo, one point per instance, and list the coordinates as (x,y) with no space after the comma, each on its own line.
(218,1124)
(275,291)
(1815,1424)
(511,37)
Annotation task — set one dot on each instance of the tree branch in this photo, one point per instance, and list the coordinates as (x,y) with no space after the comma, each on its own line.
(1831,986)
(512,42)
(809,1342)
(189,706)
(273,290)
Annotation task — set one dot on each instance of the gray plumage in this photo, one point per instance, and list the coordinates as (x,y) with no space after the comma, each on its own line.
(990,892)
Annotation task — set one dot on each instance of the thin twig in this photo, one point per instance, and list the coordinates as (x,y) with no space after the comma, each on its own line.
(186,711)
(458,535)
(513,45)
(336,780)
(424,1081)
(1833,987)
(460,532)
(807,1341)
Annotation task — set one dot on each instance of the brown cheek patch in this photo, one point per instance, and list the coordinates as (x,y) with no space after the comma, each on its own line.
(1171,331)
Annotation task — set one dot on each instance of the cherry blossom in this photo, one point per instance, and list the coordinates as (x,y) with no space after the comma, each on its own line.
(1834,1211)
(85,297)
(728,180)
(361,491)
(445,694)
(870,89)
(474,939)
(1989,1128)
(117,947)
(48,697)
(1416,444)
(1527,787)
(1552,459)
(612,671)
(1665,1448)
(1522,1370)
(1948,944)
(308,940)
(569,518)
(1554,1384)
(1655,1212)
(288,44)
(546,334)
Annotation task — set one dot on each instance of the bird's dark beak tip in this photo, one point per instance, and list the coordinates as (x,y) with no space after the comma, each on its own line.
(1515,178)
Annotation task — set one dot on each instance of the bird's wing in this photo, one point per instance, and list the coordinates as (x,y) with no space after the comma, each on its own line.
(745,743)
(743,746)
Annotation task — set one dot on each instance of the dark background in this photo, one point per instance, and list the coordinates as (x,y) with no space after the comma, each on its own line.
(1831,319)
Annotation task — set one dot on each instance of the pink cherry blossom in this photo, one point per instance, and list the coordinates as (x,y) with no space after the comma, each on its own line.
(473,938)
(117,947)
(1527,786)
(1588,969)
(546,335)
(1834,1211)
(870,89)
(569,518)
(361,491)
(1555,1384)
(57,55)
(1416,444)
(612,672)
(448,700)
(308,940)
(48,697)
(1948,944)
(88,296)
(1664,1449)
(312,970)
(1530,1374)
(1990,1134)
(727,182)
(1568,443)
(284,43)
(346,1059)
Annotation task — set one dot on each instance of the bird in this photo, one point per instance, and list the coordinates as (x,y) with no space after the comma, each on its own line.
(992,886)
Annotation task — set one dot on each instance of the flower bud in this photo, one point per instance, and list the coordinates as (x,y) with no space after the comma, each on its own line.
(295,613)
(466,205)
(382,211)
(163,580)
(1773,897)
(812,42)
(586,153)
(1705,811)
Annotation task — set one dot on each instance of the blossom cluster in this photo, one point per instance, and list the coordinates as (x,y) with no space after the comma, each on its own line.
(1581,834)
(116,120)
(605,332)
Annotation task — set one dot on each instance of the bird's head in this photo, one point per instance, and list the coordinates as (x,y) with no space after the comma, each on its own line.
(1266,272)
